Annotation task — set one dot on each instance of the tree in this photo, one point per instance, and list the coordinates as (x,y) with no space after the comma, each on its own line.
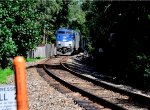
(76,17)
(20,29)
(122,30)
(62,19)
(48,11)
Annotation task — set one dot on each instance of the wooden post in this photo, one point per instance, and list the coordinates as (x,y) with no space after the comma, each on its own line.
(21,88)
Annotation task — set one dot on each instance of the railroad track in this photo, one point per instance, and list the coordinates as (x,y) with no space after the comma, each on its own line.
(97,91)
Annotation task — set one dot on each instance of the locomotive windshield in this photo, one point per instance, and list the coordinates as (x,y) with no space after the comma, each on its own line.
(65,35)
(64,32)
(61,32)
(68,32)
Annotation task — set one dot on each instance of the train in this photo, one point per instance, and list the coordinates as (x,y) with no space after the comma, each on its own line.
(67,41)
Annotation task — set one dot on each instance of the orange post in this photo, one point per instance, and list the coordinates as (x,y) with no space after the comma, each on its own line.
(21,88)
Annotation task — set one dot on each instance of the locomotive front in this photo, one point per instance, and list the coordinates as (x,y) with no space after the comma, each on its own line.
(64,41)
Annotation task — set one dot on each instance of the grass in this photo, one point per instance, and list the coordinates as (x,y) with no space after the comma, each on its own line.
(32,59)
(4,73)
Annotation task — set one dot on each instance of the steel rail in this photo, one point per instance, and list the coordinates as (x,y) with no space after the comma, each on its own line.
(92,97)
(137,97)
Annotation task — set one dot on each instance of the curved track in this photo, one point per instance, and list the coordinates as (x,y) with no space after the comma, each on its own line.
(97,91)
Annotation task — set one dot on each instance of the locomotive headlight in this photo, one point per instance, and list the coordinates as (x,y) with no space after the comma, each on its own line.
(59,43)
(64,40)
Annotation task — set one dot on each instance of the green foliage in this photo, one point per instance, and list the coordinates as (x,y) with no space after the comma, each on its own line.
(76,14)
(90,48)
(122,30)
(76,17)
(141,62)
(59,13)
(7,45)
(49,11)
(20,28)
(26,32)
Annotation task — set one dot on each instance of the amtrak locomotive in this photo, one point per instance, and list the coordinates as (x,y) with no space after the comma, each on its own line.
(67,41)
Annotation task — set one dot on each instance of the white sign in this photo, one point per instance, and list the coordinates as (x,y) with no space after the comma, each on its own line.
(8,97)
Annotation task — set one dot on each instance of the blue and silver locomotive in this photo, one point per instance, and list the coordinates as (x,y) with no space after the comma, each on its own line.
(67,41)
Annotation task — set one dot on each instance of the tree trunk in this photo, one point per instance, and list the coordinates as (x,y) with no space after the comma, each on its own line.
(4,62)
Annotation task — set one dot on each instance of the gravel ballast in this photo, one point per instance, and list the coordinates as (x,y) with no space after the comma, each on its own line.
(41,96)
